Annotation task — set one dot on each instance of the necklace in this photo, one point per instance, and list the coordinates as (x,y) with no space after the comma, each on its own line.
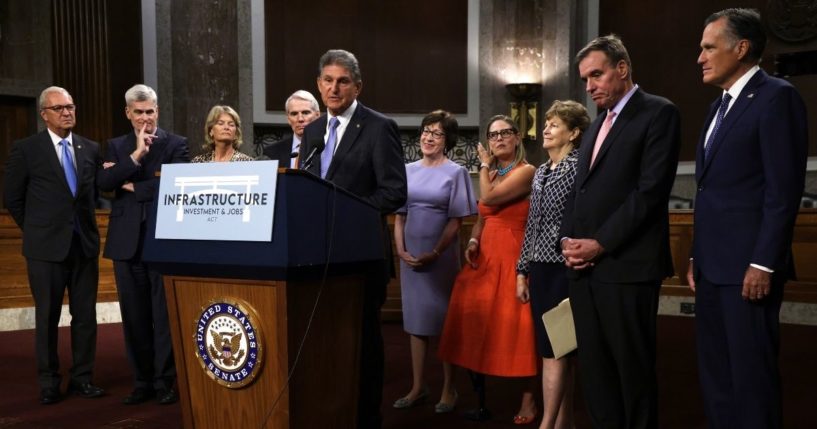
(504,170)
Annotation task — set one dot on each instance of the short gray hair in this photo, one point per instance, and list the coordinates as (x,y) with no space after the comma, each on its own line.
(303,95)
(612,46)
(341,58)
(49,90)
(140,92)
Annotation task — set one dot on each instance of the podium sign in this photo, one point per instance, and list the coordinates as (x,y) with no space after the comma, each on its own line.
(217,201)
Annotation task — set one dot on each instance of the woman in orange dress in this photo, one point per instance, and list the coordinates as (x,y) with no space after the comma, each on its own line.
(487,329)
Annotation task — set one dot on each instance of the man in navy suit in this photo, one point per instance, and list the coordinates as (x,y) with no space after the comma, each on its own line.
(363,155)
(616,237)
(302,108)
(130,171)
(50,193)
(750,172)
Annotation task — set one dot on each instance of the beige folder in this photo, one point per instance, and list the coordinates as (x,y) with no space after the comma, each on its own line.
(559,326)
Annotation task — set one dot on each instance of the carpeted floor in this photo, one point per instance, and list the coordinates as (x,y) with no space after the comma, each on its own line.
(680,404)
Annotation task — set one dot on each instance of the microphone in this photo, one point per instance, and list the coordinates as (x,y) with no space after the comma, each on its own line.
(317,147)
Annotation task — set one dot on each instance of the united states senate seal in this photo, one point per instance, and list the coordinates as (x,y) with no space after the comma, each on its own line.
(228,342)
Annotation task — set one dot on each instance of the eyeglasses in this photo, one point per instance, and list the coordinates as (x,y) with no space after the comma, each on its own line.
(434,133)
(60,108)
(507,132)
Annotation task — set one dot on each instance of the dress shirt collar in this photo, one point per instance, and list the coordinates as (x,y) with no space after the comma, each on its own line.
(343,118)
(623,102)
(739,84)
(55,139)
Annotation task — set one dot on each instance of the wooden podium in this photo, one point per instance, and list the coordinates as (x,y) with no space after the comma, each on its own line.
(296,303)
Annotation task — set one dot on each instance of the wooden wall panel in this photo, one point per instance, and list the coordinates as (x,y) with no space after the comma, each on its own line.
(81,62)
(97,57)
(665,61)
(412,54)
(14,290)
(804,289)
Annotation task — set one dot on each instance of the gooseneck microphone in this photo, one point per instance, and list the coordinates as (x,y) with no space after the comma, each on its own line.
(317,147)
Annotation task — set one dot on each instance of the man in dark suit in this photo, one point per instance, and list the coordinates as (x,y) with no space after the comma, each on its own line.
(302,108)
(363,155)
(130,171)
(51,192)
(616,237)
(750,171)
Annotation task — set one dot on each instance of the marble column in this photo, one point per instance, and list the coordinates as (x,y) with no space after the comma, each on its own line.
(204,52)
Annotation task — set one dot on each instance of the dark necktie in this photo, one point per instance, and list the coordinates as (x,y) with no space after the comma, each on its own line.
(718,119)
(68,167)
(329,150)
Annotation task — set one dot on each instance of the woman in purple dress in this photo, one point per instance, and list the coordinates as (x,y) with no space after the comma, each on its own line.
(426,237)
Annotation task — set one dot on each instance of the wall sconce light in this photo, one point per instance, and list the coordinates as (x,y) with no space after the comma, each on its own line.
(523,108)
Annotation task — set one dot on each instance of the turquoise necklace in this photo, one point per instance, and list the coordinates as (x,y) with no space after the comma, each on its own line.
(504,170)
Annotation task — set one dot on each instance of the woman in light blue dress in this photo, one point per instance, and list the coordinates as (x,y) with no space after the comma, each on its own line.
(426,236)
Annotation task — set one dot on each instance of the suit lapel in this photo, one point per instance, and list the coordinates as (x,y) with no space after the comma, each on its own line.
(80,153)
(349,139)
(632,107)
(586,150)
(699,151)
(745,99)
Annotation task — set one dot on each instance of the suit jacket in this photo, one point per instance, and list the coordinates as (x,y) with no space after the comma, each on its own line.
(750,185)
(129,209)
(280,150)
(39,200)
(622,202)
(368,162)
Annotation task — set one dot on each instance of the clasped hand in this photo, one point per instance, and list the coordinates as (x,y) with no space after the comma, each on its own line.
(580,253)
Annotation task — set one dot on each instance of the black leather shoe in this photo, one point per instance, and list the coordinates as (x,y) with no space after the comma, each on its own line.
(139,395)
(167,396)
(50,395)
(86,390)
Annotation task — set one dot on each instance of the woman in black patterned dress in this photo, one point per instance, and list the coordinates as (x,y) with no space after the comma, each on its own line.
(541,273)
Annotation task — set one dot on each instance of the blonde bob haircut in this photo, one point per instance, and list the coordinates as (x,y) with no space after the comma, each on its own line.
(212,118)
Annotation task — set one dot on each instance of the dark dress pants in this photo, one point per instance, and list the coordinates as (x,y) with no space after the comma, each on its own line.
(615,332)
(143,305)
(738,348)
(79,273)
(372,359)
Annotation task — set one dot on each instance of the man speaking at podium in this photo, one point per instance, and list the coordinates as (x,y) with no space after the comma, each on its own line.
(363,155)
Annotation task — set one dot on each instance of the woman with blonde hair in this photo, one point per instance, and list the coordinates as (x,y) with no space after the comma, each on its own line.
(222,136)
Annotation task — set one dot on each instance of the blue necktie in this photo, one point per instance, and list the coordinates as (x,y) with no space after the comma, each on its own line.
(329,150)
(68,167)
(718,119)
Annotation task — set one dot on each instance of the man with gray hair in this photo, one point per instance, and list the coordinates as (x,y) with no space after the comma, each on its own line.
(302,108)
(50,192)
(362,154)
(129,171)
(750,173)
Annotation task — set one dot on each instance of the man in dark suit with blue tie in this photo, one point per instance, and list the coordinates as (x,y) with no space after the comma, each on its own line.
(50,192)
(363,155)
(750,173)
(616,237)
(130,168)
